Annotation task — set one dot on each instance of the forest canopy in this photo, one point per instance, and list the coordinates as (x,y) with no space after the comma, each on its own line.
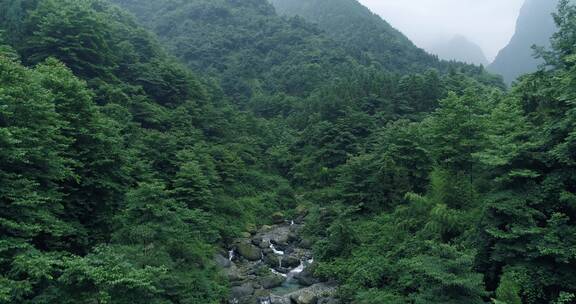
(140,140)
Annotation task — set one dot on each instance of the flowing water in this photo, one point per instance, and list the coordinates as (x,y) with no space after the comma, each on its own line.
(231,255)
(276,252)
(290,285)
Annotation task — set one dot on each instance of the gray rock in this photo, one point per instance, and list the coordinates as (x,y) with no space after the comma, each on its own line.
(293,238)
(328,300)
(249,252)
(305,243)
(278,218)
(272,260)
(271,281)
(222,261)
(281,244)
(242,291)
(312,294)
(305,298)
(290,262)
(234,274)
(256,241)
(261,293)
(281,300)
(305,278)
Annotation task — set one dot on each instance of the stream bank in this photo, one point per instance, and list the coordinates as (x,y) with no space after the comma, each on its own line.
(273,267)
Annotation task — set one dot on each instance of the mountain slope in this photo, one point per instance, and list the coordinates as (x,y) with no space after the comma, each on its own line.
(243,43)
(365,34)
(459,48)
(535,26)
(252,50)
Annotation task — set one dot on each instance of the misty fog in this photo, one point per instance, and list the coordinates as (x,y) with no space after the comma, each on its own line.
(488,23)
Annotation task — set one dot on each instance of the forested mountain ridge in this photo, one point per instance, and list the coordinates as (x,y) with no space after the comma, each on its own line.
(255,51)
(291,70)
(368,37)
(243,43)
(534,27)
(364,34)
(123,174)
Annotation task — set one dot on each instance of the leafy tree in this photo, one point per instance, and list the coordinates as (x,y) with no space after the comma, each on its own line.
(33,163)
(508,291)
(192,187)
(528,216)
(71,32)
(160,232)
(96,188)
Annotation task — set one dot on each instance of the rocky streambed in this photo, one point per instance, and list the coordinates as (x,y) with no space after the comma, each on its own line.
(273,267)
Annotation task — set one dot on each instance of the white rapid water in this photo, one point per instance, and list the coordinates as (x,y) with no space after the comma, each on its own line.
(231,254)
(277,252)
(298,269)
(265,301)
(277,273)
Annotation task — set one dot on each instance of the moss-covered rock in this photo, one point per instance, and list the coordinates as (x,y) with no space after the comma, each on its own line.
(278,218)
(249,251)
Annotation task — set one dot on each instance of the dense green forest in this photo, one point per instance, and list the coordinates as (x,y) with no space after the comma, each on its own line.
(140,138)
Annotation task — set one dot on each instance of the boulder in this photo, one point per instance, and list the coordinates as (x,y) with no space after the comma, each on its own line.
(242,291)
(272,260)
(305,278)
(292,237)
(290,262)
(281,300)
(249,252)
(222,261)
(266,228)
(305,298)
(251,228)
(280,243)
(271,281)
(305,244)
(264,245)
(278,218)
(261,293)
(300,219)
(234,274)
(256,240)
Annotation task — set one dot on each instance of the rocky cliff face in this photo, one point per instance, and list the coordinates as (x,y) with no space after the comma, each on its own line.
(535,26)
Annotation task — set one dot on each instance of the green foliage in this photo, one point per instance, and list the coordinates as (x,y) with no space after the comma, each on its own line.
(121,172)
(442,276)
(71,32)
(508,291)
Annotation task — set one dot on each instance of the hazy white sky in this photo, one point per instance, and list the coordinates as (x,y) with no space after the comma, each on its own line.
(488,23)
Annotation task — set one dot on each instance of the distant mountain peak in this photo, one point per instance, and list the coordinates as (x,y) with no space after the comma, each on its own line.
(460,48)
